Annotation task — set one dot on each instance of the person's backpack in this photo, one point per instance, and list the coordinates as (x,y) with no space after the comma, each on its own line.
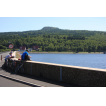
(26,57)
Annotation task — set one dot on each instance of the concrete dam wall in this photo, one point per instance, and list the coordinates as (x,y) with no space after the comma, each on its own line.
(81,76)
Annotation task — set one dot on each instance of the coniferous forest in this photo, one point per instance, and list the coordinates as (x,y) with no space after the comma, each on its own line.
(55,39)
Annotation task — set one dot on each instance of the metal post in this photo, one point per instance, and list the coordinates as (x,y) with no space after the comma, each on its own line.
(1,57)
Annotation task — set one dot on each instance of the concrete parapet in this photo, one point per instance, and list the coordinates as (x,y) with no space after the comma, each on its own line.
(81,76)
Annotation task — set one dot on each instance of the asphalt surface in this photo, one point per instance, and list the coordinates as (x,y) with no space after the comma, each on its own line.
(4,82)
(8,78)
(3,54)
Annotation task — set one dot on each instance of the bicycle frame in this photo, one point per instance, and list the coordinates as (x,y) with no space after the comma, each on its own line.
(20,67)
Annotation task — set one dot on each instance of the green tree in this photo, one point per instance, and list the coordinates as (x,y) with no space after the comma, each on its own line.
(3,47)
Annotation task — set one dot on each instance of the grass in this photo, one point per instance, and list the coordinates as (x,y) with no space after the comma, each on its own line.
(67,52)
(4,50)
(18,55)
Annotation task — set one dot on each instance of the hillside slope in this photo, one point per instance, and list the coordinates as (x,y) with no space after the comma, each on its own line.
(55,39)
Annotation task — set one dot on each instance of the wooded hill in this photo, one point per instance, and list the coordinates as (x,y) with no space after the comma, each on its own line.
(55,39)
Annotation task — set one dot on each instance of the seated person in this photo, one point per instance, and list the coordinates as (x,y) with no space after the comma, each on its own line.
(25,55)
(9,56)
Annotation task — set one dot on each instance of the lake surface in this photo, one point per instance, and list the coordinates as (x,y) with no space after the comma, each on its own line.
(84,60)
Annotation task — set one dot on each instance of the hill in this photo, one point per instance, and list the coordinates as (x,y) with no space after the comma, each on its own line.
(55,39)
(49,28)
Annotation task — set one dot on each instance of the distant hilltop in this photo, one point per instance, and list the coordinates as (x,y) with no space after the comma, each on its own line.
(49,28)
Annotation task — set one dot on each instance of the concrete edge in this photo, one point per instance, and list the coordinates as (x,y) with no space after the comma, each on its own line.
(21,81)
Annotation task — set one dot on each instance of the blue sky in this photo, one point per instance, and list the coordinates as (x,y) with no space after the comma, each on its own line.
(8,24)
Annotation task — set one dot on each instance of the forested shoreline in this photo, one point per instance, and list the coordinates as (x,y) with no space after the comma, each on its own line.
(55,39)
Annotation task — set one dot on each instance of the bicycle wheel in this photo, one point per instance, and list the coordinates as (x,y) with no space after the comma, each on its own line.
(17,68)
(9,66)
(13,68)
(22,69)
(4,66)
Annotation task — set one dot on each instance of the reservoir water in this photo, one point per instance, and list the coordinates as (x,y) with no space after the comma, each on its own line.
(84,60)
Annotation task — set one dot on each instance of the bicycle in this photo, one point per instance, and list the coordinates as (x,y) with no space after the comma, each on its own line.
(20,67)
(6,64)
(10,64)
(13,65)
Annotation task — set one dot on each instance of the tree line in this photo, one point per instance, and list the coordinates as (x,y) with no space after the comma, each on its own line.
(55,39)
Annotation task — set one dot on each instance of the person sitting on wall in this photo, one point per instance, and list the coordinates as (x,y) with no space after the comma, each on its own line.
(9,56)
(25,55)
